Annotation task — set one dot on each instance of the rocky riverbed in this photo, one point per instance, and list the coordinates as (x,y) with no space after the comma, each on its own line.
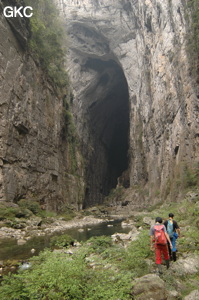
(23,229)
(36,227)
(34,236)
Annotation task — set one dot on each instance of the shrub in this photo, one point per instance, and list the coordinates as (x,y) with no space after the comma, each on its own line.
(33,206)
(67,116)
(98,244)
(67,213)
(11,213)
(62,241)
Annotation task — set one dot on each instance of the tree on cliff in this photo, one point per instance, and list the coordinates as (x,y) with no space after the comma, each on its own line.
(193,37)
(47,42)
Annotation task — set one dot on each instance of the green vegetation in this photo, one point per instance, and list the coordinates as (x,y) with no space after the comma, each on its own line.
(193,37)
(57,276)
(47,45)
(67,213)
(187,214)
(99,244)
(10,213)
(62,241)
(48,40)
(117,194)
(186,177)
(191,176)
(16,215)
(101,269)
(33,206)
(137,252)
(70,135)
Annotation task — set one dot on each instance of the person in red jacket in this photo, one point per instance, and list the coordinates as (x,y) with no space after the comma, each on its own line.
(160,249)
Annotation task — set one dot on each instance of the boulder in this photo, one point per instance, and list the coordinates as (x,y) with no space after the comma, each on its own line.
(194,295)
(148,221)
(186,266)
(35,221)
(21,242)
(125,237)
(127,223)
(173,295)
(150,286)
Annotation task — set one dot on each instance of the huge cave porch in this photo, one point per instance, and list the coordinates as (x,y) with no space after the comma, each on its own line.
(107,116)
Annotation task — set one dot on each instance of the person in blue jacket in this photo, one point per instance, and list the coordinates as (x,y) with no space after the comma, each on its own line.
(173,231)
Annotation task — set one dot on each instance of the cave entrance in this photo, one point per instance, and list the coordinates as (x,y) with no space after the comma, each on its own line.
(108,122)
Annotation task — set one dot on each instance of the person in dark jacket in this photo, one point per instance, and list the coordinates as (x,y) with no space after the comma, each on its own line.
(173,231)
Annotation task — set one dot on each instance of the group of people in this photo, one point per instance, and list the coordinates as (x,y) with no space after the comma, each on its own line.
(163,240)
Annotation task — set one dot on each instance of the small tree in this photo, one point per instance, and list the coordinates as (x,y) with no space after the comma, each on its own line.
(193,37)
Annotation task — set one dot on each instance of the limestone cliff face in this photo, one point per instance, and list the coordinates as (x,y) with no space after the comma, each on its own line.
(134,103)
(131,84)
(34,156)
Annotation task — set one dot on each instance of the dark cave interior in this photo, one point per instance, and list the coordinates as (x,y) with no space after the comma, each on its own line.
(108,118)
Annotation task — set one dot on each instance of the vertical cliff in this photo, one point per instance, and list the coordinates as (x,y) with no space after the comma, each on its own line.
(135,103)
(36,156)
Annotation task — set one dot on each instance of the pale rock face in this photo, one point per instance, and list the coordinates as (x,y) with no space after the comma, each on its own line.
(143,43)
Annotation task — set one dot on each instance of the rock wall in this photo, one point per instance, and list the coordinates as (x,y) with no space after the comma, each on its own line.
(134,103)
(35,160)
(146,41)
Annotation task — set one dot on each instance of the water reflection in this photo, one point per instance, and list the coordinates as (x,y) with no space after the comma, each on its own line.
(10,250)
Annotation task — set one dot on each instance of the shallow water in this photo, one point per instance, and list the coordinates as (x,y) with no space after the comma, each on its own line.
(9,250)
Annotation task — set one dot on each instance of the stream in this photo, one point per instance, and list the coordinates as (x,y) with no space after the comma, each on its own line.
(9,250)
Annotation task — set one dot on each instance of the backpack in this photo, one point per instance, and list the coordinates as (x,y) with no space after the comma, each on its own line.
(160,237)
(170,229)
